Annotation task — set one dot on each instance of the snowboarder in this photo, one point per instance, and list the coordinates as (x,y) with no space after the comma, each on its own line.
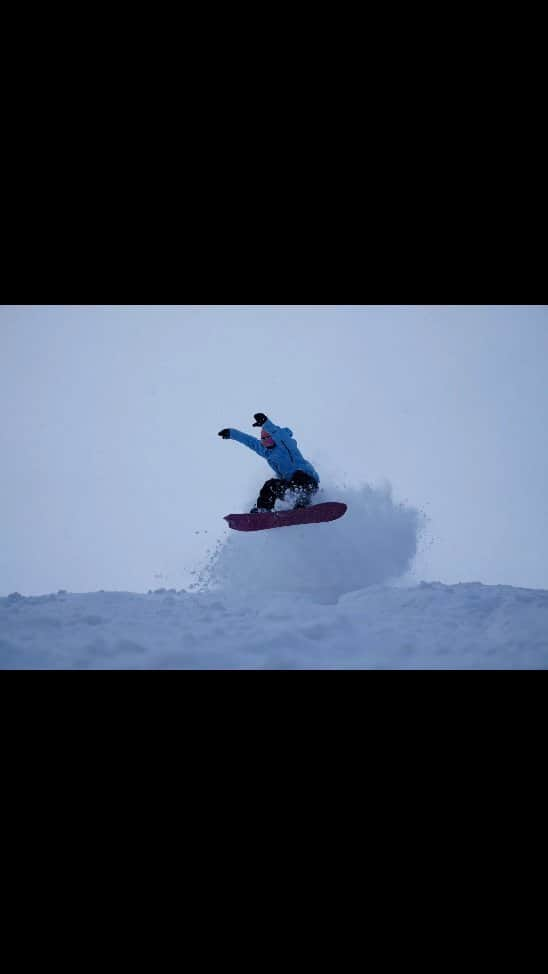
(281,452)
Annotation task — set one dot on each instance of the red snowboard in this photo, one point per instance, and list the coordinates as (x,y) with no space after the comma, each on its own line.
(281,519)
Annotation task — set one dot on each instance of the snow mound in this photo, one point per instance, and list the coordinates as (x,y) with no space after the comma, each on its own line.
(430,626)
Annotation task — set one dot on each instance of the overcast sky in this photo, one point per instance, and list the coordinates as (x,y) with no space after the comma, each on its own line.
(111,461)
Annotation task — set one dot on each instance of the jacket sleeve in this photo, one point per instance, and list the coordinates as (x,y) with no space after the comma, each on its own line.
(251,441)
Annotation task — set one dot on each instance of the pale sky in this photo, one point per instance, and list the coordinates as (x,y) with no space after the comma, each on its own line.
(114,477)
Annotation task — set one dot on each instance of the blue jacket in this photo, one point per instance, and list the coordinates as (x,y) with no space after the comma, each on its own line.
(284,458)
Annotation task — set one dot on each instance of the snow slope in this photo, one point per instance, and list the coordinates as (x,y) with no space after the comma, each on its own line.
(430,625)
(332,595)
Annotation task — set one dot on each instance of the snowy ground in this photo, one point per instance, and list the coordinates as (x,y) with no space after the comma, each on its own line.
(430,625)
(335,595)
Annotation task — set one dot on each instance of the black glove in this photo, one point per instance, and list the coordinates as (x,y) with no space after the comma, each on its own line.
(261,419)
(225,434)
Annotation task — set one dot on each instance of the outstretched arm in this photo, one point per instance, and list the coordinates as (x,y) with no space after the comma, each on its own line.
(249,441)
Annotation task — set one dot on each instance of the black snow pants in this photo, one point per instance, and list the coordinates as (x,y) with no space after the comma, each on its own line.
(302,483)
